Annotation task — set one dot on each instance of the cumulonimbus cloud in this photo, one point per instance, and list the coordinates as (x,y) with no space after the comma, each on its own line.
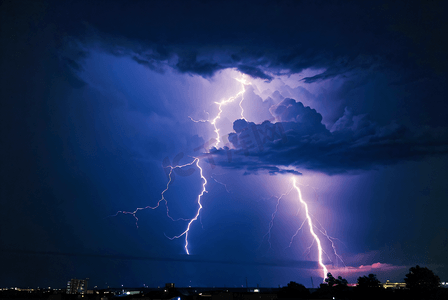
(299,140)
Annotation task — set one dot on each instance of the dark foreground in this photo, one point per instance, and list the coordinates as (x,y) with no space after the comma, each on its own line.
(301,292)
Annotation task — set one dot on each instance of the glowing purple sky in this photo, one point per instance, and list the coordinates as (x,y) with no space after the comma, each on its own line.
(97,105)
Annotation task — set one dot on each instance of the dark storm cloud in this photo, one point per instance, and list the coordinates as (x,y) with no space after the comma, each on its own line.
(300,140)
(367,46)
(189,64)
(254,72)
(271,170)
(281,35)
(147,63)
(290,110)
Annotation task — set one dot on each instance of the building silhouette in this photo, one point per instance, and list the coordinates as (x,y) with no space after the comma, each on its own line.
(77,286)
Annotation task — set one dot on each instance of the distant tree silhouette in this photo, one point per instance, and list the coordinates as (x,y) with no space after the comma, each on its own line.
(421,279)
(342,281)
(330,280)
(294,290)
(295,286)
(335,288)
(333,281)
(369,282)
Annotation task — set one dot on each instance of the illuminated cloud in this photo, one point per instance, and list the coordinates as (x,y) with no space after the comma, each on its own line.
(382,270)
(365,269)
(300,141)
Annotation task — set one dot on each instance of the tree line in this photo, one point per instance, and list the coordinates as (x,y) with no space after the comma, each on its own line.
(421,283)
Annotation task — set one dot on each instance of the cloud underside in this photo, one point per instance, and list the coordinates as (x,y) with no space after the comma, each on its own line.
(298,141)
(203,38)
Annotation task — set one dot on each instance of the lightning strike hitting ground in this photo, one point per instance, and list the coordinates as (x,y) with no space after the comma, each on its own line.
(198,211)
(311,226)
(321,229)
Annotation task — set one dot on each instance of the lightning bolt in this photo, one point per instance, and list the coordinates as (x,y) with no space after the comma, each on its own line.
(197,215)
(162,199)
(292,238)
(227,101)
(331,239)
(213,122)
(221,183)
(271,223)
(200,121)
(203,191)
(311,228)
(243,80)
(323,231)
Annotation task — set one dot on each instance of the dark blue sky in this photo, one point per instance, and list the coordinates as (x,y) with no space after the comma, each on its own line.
(96,98)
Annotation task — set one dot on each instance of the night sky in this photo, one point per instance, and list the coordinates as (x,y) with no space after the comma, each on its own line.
(99,98)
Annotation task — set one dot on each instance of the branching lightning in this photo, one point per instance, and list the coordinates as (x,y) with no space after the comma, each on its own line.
(308,249)
(196,161)
(198,211)
(227,101)
(221,183)
(271,223)
(308,219)
(323,232)
(162,199)
(244,82)
(331,239)
(311,228)
(297,231)
(213,122)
